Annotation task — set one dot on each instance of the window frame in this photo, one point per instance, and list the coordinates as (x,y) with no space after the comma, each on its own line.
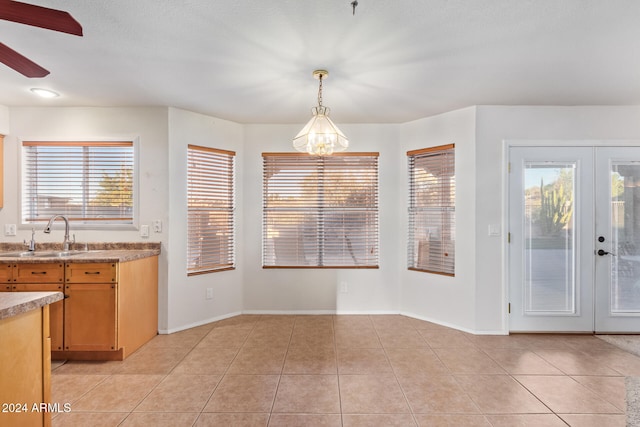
(213,193)
(318,243)
(446,265)
(85,223)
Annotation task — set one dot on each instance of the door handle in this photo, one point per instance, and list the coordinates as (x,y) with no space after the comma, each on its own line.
(602,252)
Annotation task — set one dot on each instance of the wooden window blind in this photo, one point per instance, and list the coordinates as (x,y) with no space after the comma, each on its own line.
(432,193)
(320,212)
(211,210)
(88,182)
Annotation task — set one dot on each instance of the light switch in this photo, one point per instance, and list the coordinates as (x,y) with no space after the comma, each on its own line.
(494,230)
(144,231)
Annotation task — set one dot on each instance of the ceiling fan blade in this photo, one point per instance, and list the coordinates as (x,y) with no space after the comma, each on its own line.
(23,65)
(38,16)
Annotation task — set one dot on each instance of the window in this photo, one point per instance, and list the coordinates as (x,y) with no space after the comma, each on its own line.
(432,193)
(211,210)
(88,182)
(320,211)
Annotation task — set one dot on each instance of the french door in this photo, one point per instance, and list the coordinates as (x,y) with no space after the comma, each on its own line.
(574,231)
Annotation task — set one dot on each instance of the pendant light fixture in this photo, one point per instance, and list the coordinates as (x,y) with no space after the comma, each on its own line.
(320,136)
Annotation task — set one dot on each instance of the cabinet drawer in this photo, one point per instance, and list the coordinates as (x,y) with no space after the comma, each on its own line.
(38,273)
(95,272)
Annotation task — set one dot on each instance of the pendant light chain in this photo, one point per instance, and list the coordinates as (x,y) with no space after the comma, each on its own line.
(320,91)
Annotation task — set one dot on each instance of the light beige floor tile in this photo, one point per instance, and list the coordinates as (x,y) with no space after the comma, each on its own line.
(378,420)
(306,420)
(575,362)
(314,321)
(542,341)
(232,420)
(449,420)
(371,394)
(310,360)
(407,361)
(153,361)
(469,361)
(438,338)
(436,394)
(182,339)
(232,336)
(180,393)
(87,368)
(118,393)
(356,338)
(363,361)
(611,389)
(160,419)
(405,338)
(522,362)
(258,360)
(78,419)
(311,394)
(595,420)
(69,388)
(276,337)
(206,361)
(304,337)
(623,363)
(500,394)
(526,420)
(352,322)
(565,395)
(497,341)
(244,393)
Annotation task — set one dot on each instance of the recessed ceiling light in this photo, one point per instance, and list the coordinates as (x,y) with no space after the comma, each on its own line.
(45,93)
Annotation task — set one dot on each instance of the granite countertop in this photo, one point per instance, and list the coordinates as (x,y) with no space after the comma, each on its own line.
(80,252)
(14,303)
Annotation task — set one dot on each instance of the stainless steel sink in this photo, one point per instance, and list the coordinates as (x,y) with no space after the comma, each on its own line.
(16,254)
(36,254)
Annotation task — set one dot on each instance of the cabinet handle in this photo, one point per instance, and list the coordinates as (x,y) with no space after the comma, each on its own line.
(91,272)
(38,272)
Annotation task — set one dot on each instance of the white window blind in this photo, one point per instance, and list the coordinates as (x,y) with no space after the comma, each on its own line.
(432,193)
(211,210)
(320,211)
(88,182)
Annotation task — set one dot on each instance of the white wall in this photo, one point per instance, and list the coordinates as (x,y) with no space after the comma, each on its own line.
(4,120)
(149,125)
(443,299)
(186,295)
(317,291)
(497,124)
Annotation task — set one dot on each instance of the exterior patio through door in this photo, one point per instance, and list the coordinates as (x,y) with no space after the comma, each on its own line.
(574,231)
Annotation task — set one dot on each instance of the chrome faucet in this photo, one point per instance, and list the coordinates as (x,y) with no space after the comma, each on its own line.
(32,242)
(66,241)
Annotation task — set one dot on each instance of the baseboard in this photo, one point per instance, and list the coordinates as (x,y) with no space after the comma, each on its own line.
(199,323)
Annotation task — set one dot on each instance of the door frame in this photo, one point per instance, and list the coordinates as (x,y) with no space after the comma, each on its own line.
(507,144)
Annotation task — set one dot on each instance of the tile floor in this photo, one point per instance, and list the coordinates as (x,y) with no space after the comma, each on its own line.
(349,371)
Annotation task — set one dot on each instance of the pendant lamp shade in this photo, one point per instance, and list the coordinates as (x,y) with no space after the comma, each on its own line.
(320,136)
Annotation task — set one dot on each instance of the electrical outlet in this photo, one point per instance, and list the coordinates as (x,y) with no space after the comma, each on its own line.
(209,293)
(144,230)
(344,288)
(9,229)
(157,226)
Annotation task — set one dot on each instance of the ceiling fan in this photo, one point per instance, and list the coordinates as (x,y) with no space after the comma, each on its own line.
(36,16)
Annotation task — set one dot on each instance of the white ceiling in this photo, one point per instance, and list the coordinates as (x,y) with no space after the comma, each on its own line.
(394,61)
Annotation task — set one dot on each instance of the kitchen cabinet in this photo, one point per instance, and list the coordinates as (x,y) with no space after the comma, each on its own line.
(90,307)
(25,358)
(110,308)
(42,277)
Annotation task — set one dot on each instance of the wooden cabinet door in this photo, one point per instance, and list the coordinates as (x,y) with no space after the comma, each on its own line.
(6,276)
(90,317)
(56,310)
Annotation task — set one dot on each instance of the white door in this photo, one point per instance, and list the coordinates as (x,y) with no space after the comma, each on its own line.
(574,227)
(617,239)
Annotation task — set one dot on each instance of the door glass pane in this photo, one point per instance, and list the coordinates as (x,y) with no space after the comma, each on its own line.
(549,256)
(625,233)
